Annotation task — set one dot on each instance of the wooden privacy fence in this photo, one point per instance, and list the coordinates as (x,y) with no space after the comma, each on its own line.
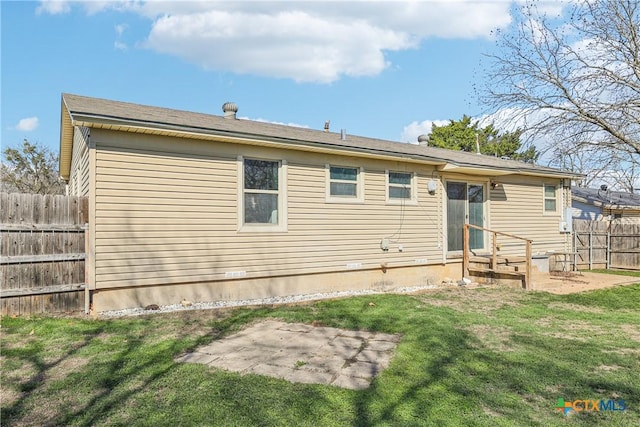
(606,244)
(42,255)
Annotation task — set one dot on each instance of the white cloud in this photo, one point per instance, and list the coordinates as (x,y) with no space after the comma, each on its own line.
(304,41)
(290,44)
(53,7)
(119,44)
(296,125)
(27,124)
(120,29)
(411,131)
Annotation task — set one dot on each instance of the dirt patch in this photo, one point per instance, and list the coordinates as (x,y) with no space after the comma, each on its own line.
(631,331)
(545,322)
(579,282)
(491,412)
(493,338)
(575,307)
(66,365)
(608,368)
(624,351)
(574,330)
(9,396)
(472,298)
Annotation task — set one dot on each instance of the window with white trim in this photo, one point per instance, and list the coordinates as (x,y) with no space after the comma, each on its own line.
(344,184)
(550,199)
(262,195)
(400,186)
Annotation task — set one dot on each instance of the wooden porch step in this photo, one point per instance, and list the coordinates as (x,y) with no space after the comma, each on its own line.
(501,259)
(498,271)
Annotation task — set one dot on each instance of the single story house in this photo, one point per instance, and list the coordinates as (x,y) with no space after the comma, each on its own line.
(204,207)
(604,204)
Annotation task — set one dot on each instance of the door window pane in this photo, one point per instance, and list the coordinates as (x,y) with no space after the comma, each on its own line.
(456,198)
(476,216)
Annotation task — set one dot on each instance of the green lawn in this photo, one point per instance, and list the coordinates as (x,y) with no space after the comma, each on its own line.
(468,357)
(631,273)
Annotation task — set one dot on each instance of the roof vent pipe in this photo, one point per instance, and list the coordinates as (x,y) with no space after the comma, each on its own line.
(343,134)
(423,140)
(230,109)
(326,125)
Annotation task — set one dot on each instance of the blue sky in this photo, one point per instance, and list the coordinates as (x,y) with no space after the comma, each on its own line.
(379,69)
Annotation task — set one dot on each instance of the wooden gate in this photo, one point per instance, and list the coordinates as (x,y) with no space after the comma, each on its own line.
(42,255)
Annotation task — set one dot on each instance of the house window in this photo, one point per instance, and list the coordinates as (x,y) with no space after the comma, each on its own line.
(262,194)
(399,186)
(344,184)
(550,200)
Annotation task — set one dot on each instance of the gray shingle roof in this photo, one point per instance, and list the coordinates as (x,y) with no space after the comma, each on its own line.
(87,110)
(607,199)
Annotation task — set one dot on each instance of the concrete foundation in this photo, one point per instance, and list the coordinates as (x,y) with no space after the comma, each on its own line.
(381,280)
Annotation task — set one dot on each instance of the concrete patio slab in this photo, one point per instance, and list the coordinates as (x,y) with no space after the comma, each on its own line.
(301,353)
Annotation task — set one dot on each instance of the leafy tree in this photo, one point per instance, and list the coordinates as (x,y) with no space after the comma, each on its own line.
(32,168)
(463,134)
(574,81)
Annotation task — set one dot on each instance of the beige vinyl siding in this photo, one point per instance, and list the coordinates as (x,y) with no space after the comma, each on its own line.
(517,206)
(166,213)
(79,176)
(626,213)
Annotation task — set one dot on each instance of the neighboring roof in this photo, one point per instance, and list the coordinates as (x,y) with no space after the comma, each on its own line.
(101,113)
(606,199)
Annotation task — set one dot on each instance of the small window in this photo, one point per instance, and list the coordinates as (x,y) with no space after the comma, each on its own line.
(261,194)
(399,186)
(344,184)
(550,202)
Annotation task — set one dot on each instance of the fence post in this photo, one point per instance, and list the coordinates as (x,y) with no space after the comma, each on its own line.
(575,248)
(87,292)
(591,254)
(608,250)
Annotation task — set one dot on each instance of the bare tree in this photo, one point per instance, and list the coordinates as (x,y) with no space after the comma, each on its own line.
(573,81)
(30,169)
(599,166)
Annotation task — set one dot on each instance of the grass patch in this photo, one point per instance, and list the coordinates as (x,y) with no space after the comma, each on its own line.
(480,357)
(630,273)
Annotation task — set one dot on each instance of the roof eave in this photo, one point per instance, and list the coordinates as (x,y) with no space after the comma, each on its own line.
(66,141)
(444,165)
(81,119)
(500,171)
